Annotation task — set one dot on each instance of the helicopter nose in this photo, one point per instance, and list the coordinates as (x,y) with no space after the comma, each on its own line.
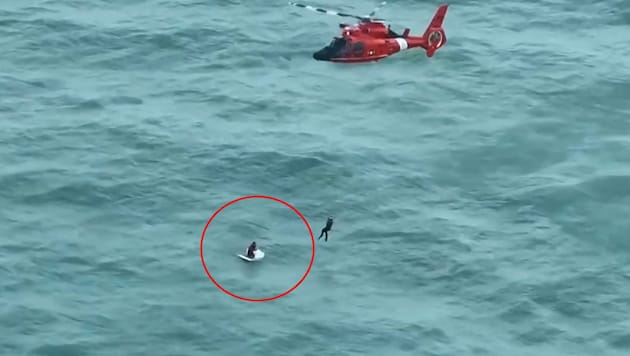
(320,56)
(323,54)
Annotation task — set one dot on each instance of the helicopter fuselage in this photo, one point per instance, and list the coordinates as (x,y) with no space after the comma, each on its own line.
(371,40)
(366,42)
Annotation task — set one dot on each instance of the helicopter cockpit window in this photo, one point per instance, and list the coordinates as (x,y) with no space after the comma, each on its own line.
(337,45)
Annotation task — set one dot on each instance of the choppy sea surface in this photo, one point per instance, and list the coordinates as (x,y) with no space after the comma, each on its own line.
(481,197)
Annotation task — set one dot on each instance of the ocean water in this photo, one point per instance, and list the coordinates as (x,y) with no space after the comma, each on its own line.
(481,197)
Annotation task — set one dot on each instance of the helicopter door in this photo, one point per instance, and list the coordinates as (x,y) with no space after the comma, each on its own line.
(358,49)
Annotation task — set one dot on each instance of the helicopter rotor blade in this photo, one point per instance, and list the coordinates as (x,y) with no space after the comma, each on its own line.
(328,12)
(376,9)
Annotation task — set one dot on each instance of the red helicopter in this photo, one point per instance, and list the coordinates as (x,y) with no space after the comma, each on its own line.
(371,40)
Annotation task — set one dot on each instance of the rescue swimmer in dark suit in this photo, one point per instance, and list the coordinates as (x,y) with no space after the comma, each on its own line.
(251,249)
(326,228)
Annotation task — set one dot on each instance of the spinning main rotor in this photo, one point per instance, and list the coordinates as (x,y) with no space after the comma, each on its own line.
(362,19)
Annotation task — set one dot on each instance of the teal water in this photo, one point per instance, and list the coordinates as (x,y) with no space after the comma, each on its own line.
(481,196)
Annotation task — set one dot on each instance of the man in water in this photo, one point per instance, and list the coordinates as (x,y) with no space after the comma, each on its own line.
(326,228)
(251,249)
